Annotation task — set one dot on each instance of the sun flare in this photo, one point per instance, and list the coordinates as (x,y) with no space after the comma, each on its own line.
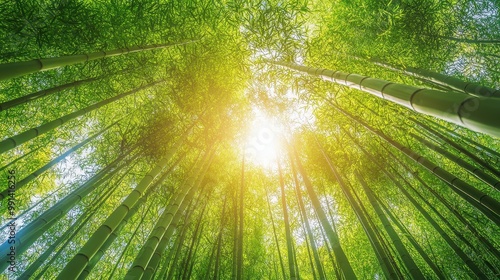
(262,142)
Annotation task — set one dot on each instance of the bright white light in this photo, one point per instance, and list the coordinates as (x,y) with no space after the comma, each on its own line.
(262,141)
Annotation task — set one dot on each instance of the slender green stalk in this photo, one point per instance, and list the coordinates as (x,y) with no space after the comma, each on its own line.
(239,270)
(288,235)
(311,238)
(472,156)
(283,273)
(29,233)
(178,205)
(481,175)
(442,80)
(403,252)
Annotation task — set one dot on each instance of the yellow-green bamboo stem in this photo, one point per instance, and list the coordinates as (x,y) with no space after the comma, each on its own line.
(29,233)
(288,235)
(442,79)
(480,114)
(16,69)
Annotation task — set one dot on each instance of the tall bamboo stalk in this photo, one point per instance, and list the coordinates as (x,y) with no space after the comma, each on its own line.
(283,273)
(471,169)
(332,235)
(403,252)
(493,169)
(17,69)
(29,233)
(441,79)
(476,113)
(239,270)
(183,198)
(288,235)
(311,238)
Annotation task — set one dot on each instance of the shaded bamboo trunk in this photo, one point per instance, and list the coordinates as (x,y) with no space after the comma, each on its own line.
(472,266)
(442,80)
(95,259)
(17,69)
(486,243)
(414,242)
(70,232)
(219,243)
(443,234)
(384,261)
(20,158)
(239,268)
(177,243)
(471,155)
(344,264)
(471,112)
(157,255)
(405,255)
(23,137)
(46,92)
(492,154)
(288,235)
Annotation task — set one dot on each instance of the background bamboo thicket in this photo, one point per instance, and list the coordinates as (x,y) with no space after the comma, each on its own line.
(249,139)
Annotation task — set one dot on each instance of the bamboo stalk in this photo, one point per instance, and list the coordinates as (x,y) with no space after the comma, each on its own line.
(479,114)
(80,261)
(183,198)
(471,169)
(288,235)
(17,69)
(332,235)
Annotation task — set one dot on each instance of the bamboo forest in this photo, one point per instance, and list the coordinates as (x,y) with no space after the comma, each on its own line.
(250,139)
